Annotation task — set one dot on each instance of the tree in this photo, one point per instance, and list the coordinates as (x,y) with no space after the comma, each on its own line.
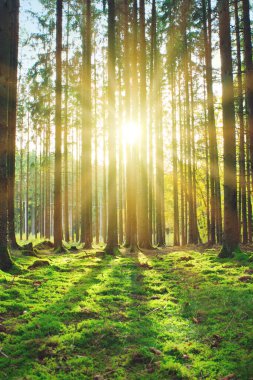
(12,118)
(112,232)
(66,93)
(58,132)
(143,228)
(230,237)
(248,71)
(86,203)
(242,182)
(5,43)
(215,205)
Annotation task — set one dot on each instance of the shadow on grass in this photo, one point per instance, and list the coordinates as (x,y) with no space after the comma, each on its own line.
(126,318)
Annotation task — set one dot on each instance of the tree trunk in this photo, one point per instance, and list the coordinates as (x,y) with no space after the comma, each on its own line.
(144,237)
(242,181)
(66,174)
(86,190)
(12,119)
(175,161)
(5,41)
(58,133)
(230,238)
(215,204)
(112,235)
(248,72)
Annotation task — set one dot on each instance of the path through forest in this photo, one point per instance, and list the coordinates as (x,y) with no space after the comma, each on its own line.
(159,315)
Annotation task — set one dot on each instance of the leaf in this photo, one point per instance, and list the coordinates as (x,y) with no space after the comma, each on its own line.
(37,283)
(155,351)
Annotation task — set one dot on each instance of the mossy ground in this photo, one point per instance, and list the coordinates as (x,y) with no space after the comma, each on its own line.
(162,315)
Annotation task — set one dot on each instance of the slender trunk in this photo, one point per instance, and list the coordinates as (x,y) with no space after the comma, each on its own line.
(66,179)
(242,181)
(27,179)
(133,149)
(143,223)
(86,202)
(230,239)
(127,121)
(58,133)
(150,134)
(175,161)
(12,119)
(5,43)
(112,239)
(248,72)
(36,187)
(96,157)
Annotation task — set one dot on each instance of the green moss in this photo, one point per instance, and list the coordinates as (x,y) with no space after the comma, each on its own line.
(83,316)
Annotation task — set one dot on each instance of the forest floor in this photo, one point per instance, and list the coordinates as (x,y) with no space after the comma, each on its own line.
(166,314)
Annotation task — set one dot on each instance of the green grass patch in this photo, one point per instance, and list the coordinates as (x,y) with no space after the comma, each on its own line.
(181,315)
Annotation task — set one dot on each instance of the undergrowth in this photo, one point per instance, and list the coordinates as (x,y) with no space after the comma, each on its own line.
(176,315)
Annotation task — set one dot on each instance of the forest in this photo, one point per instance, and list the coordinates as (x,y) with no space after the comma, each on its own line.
(126,178)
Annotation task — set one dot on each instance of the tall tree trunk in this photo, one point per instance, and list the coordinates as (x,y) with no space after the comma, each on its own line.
(86,203)
(104,227)
(230,238)
(27,208)
(194,191)
(182,187)
(248,168)
(96,158)
(248,72)
(175,162)
(143,223)
(207,159)
(242,181)
(215,204)
(66,179)
(127,121)
(58,132)
(36,186)
(12,119)
(5,41)
(150,131)
(47,176)
(112,239)
(159,185)
(133,149)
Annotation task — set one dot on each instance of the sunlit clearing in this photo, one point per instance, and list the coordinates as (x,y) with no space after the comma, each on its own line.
(130,132)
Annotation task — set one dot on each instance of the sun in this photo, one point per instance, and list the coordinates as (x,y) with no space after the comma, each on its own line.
(130,132)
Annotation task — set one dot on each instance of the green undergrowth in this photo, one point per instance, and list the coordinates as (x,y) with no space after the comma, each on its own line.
(176,315)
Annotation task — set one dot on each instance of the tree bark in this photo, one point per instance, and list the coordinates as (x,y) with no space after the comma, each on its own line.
(230,238)
(5,42)
(58,132)
(12,119)
(112,232)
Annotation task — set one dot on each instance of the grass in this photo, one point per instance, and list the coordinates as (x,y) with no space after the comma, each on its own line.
(172,315)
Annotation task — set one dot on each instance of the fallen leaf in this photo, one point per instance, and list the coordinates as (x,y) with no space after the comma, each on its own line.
(37,283)
(155,351)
